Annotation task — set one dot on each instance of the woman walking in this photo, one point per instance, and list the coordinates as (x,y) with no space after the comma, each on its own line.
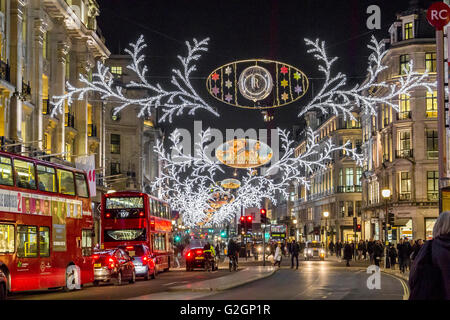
(277,257)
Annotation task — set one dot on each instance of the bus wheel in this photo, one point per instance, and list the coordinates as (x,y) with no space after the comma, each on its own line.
(119,279)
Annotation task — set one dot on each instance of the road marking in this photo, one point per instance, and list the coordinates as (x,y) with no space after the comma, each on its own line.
(404,285)
(168,284)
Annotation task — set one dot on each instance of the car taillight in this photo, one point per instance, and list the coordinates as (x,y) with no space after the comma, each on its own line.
(141,214)
(95,257)
(189,254)
(130,247)
(111,263)
(144,260)
(199,252)
(108,215)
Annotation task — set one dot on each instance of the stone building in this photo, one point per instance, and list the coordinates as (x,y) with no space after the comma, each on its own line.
(335,189)
(402,147)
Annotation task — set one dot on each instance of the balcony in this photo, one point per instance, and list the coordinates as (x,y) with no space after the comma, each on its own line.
(404,115)
(432,154)
(404,196)
(92,130)
(402,154)
(69,120)
(4,71)
(346,189)
(433,196)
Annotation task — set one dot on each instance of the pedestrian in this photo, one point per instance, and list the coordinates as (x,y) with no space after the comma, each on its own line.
(176,253)
(289,247)
(218,250)
(392,256)
(339,249)
(377,252)
(360,249)
(416,248)
(408,251)
(430,273)
(331,247)
(278,256)
(365,250)
(370,246)
(295,249)
(348,253)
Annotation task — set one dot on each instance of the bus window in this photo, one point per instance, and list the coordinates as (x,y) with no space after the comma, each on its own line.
(82,189)
(27,241)
(86,242)
(6,177)
(25,176)
(44,241)
(47,178)
(6,238)
(159,242)
(66,183)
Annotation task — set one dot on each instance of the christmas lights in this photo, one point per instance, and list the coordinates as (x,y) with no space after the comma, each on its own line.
(171,103)
(368,95)
(189,184)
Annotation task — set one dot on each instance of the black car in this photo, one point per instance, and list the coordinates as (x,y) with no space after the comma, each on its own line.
(3,286)
(113,264)
(195,257)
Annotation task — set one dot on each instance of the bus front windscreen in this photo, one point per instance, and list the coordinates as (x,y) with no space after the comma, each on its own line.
(124,203)
(125,235)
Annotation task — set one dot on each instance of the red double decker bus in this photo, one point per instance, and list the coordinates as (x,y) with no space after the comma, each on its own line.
(130,218)
(46,224)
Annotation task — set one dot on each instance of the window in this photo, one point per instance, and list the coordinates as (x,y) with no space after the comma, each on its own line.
(349,177)
(86,242)
(342,208)
(47,178)
(115,168)
(44,241)
(159,242)
(82,187)
(431,104)
(404,63)
(66,183)
(341,177)
(429,225)
(408,27)
(45,45)
(6,177)
(433,185)
(404,140)
(432,144)
(349,208)
(25,176)
(125,203)
(405,107)
(358,208)
(358,177)
(430,61)
(7,238)
(115,143)
(405,185)
(27,241)
(116,71)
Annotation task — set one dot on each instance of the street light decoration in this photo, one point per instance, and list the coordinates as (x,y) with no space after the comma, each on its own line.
(334,97)
(188,182)
(386,193)
(171,102)
(244,153)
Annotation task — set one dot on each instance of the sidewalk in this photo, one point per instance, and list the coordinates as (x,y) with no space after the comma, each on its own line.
(234,279)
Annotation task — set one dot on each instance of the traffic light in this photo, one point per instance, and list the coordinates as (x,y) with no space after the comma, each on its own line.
(355,224)
(249,222)
(358,228)
(177,238)
(391,218)
(223,234)
(263,216)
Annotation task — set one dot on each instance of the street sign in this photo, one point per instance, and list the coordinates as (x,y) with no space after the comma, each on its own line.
(438,15)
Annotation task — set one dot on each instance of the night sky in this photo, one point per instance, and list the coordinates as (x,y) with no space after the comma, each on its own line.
(245,29)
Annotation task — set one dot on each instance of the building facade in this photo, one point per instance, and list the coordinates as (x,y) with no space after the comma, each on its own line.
(131,163)
(401,148)
(335,189)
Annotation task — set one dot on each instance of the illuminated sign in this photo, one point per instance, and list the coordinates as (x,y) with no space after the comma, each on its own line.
(244,153)
(230,183)
(257,84)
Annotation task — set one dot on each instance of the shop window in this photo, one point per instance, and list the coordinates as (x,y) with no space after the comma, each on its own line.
(47,178)
(44,241)
(27,241)
(66,182)
(25,174)
(82,187)
(6,177)
(429,225)
(7,243)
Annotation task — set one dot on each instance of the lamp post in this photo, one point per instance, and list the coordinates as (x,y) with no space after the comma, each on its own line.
(326,214)
(386,194)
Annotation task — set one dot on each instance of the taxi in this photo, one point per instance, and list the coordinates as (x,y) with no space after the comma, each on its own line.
(314,250)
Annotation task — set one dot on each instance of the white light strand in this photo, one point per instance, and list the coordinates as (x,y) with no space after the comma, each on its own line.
(189,183)
(333,97)
(172,103)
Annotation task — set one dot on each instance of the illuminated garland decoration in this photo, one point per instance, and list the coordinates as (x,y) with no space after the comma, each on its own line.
(172,103)
(334,97)
(188,183)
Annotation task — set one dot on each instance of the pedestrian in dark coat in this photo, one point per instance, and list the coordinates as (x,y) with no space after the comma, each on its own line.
(348,253)
(392,256)
(377,252)
(365,250)
(416,249)
(331,247)
(338,249)
(441,250)
(295,249)
(370,246)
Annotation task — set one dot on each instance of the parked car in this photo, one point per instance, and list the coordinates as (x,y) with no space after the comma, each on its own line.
(113,264)
(195,257)
(3,286)
(143,260)
(314,249)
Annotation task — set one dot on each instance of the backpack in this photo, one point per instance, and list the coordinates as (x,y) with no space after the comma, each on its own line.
(425,281)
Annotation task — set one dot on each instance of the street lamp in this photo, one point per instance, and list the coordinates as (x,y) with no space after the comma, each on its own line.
(386,194)
(326,214)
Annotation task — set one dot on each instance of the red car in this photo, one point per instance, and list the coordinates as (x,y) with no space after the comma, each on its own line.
(113,264)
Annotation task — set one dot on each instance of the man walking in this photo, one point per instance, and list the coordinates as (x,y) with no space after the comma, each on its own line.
(348,253)
(295,249)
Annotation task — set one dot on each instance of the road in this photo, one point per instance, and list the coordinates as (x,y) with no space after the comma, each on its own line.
(109,291)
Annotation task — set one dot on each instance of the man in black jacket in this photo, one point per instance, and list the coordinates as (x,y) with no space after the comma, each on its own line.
(377,252)
(295,249)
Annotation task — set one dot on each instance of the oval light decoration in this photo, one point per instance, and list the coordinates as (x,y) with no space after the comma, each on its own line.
(257,84)
(244,153)
(230,183)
